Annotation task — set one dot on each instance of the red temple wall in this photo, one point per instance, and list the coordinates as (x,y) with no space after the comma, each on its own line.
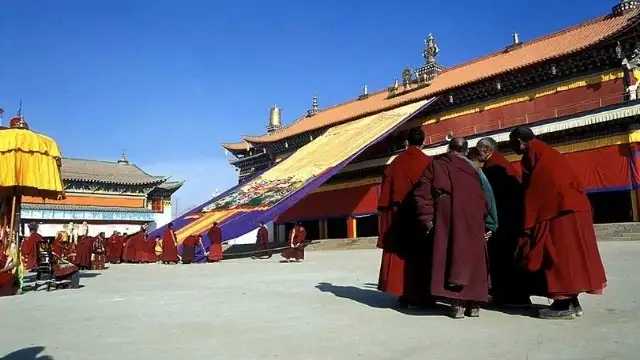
(608,168)
(546,107)
(334,203)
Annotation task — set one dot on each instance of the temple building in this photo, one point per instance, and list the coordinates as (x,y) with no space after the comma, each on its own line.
(577,88)
(107,195)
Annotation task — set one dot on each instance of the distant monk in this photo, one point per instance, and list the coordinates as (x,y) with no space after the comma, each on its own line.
(29,248)
(509,283)
(215,238)
(189,248)
(169,246)
(262,243)
(58,244)
(114,249)
(399,234)
(453,208)
(135,244)
(297,237)
(148,253)
(560,241)
(83,253)
(99,252)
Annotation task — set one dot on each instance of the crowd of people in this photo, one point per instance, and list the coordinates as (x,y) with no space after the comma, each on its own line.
(467,227)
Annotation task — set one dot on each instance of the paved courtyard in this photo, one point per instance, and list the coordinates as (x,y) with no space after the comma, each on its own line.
(324,308)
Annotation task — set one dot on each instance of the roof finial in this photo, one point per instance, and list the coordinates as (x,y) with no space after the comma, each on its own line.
(20,109)
(123,159)
(314,107)
(431,50)
(516,38)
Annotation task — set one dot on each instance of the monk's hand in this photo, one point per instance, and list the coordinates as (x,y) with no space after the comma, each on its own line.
(487,235)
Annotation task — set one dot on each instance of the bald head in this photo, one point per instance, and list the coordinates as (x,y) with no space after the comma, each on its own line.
(416,137)
(458,145)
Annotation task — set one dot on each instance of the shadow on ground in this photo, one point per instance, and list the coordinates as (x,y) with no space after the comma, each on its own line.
(30,353)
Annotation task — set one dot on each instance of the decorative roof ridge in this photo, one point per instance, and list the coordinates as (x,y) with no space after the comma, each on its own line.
(533,41)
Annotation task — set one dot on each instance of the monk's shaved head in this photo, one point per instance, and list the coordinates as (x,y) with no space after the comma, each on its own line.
(416,137)
(519,137)
(458,145)
(488,143)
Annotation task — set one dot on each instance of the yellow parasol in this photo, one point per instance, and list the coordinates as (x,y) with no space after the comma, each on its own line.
(29,166)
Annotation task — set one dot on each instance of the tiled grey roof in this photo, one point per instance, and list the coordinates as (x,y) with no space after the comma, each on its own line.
(63,207)
(106,171)
(170,185)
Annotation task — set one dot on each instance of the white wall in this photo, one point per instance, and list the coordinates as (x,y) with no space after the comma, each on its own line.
(250,237)
(162,219)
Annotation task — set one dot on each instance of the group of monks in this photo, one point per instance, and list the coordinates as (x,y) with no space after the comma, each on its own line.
(467,227)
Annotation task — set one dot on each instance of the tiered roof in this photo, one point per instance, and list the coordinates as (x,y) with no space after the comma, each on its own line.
(562,43)
(107,172)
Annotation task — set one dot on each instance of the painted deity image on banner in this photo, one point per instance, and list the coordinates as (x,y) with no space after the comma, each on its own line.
(259,193)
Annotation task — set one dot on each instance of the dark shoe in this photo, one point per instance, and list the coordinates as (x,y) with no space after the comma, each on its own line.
(559,310)
(457,312)
(473,312)
(577,308)
(401,304)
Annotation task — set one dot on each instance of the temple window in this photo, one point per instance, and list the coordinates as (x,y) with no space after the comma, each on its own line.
(157,205)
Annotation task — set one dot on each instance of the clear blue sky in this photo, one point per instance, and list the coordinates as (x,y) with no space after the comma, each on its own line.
(169,80)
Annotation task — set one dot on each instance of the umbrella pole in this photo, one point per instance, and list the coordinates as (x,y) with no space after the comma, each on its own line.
(13,217)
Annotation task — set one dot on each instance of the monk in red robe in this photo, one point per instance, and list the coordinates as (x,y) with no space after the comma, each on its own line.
(297,237)
(135,244)
(262,243)
(148,253)
(509,282)
(29,248)
(559,240)
(215,238)
(189,248)
(58,244)
(453,208)
(99,252)
(398,230)
(169,246)
(114,249)
(83,253)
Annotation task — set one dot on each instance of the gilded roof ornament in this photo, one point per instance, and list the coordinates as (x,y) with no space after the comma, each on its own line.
(123,159)
(431,50)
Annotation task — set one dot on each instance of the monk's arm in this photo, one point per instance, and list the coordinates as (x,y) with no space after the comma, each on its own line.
(424,199)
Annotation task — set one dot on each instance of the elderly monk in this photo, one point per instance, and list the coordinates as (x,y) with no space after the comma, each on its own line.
(29,248)
(399,233)
(215,238)
(169,246)
(453,208)
(508,280)
(559,240)
(262,243)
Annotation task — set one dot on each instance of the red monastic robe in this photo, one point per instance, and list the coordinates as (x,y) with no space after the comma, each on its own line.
(169,248)
(297,236)
(29,251)
(148,253)
(451,203)
(215,237)
(508,280)
(189,249)
(83,253)
(114,249)
(397,230)
(262,238)
(58,247)
(133,249)
(557,216)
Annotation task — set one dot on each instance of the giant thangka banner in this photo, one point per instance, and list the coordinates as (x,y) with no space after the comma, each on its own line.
(240,209)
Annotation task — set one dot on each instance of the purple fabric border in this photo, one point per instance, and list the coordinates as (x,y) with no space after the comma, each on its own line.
(246,222)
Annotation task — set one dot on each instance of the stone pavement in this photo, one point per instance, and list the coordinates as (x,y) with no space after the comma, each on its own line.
(324,308)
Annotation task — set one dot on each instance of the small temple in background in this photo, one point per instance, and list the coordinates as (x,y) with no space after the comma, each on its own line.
(576,88)
(106,195)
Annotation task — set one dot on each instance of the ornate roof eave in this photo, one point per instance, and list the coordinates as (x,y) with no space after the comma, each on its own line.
(239,146)
(157,181)
(405,97)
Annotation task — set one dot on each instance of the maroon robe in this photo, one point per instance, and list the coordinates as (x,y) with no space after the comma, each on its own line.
(83,253)
(189,249)
(215,237)
(297,237)
(99,253)
(133,251)
(29,251)
(148,253)
(169,248)
(114,249)
(561,241)
(397,229)
(508,280)
(262,238)
(58,247)
(451,203)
